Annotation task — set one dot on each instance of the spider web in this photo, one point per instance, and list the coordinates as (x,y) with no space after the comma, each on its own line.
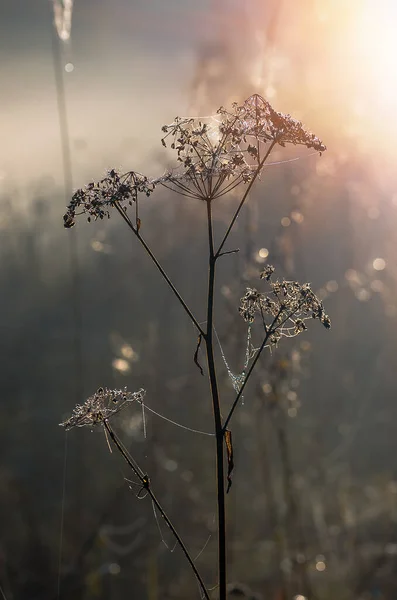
(145,407)
(250,351)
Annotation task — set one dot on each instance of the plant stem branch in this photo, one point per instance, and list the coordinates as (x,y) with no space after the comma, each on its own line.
(144,479)
(219,433)
(269,331)
(160,268)
(240,206)
(229,252)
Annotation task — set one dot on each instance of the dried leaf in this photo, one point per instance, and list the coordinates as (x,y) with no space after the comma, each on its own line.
(230,461)
(68,220)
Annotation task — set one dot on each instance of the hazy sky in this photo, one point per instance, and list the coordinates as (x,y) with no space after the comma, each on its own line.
(132,67)
(135,61)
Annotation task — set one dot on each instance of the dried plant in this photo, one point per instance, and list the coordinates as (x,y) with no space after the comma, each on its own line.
(100,407)
(214,156)
(289,304)
(97,410)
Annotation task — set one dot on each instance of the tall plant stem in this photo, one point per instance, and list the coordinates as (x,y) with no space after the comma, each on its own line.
(144,479)
(159,267)
(217,412)
(243,199)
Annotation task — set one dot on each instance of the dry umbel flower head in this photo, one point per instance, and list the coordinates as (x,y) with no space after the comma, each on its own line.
(100,407)
(96,199)
(257,120)
(284,309)
(214,155)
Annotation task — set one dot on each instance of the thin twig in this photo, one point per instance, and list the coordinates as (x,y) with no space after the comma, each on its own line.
(268,332)
(158,265)
(229,252)
(145,481)
(257,355)
(247,191)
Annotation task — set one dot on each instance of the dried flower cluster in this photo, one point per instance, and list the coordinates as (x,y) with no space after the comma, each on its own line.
(100,407)
(219,155)
(213,162)
(214,157)
(256,119)
(96,199)
(288,304)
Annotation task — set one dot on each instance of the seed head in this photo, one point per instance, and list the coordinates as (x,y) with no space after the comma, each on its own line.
(100,407)
(214,155)
(284,309)
(257,119)
(267,272)
(218,155)
(97,198)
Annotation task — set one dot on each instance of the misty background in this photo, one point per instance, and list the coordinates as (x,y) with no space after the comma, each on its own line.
(313,507)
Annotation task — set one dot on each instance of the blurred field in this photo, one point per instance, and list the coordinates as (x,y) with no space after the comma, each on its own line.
(313,507)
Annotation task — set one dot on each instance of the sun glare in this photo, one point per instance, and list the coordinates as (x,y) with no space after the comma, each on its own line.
(377,44)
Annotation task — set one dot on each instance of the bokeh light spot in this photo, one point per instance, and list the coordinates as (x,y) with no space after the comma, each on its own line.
(362,295)
(320,565)
(114,569)
(332,286)
(377,286)
(379,264)
(297,216)
(128,352)
(121,365)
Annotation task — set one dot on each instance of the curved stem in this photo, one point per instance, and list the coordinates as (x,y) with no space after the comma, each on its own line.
(158,265)
(144,479)
(217,412)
